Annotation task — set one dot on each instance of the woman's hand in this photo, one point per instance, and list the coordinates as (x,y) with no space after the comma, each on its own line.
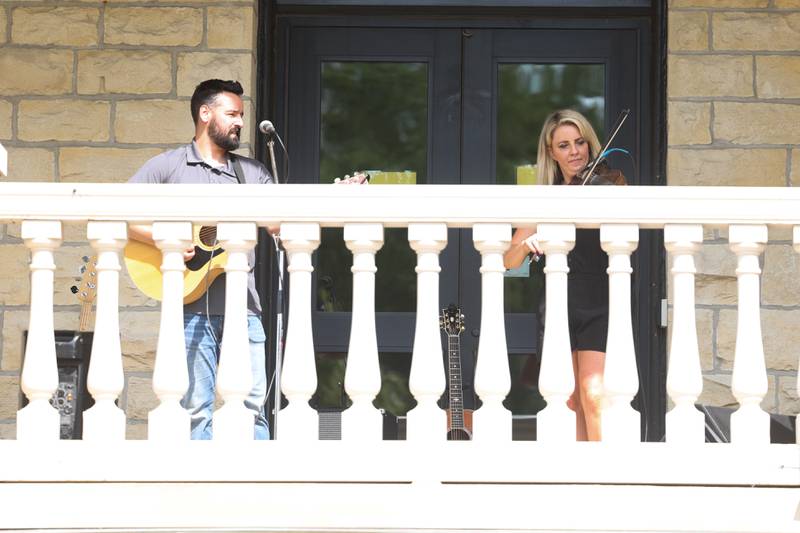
(533,245)
(357,178)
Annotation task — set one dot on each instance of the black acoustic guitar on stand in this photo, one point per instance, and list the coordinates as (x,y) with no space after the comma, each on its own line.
(459,419)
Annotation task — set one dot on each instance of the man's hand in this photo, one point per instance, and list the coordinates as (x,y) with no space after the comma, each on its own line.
(188,254)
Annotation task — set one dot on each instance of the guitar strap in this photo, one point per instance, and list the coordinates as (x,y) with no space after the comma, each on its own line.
(237,168)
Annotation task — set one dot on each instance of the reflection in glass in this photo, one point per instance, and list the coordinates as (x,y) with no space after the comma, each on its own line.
(374,116)
(394,396)
(527,93)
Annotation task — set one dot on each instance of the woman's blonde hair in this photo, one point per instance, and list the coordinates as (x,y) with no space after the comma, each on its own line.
(548,170)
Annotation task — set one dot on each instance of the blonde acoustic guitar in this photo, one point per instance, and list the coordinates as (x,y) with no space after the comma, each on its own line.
(143,262)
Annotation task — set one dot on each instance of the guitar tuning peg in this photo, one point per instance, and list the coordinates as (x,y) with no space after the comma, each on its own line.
(82,269)
(73,289)
(85,258)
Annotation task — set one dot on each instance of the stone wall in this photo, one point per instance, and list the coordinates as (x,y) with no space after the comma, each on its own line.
(89,90)
(733,116)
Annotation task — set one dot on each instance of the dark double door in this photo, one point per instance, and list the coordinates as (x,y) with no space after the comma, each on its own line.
(443,105)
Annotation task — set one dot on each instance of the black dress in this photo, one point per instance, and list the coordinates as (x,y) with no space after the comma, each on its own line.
(587,292)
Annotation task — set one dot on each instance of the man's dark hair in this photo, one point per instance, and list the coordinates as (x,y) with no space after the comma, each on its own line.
(207,91)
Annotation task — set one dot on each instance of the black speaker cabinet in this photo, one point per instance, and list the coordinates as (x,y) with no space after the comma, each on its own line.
(71,398)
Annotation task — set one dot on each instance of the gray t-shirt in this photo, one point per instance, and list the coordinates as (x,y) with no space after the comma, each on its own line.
(184,165)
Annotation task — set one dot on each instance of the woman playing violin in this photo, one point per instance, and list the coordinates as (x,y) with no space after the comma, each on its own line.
(567,144)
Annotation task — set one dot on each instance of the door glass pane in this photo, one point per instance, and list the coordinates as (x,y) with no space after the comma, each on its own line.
(527,93)
(373,116)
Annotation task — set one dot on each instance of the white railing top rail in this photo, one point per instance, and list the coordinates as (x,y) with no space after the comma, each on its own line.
(398,205)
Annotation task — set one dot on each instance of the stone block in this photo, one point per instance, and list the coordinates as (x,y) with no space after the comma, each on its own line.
(62,26)
(154,26)
(788,398)
(689,123)
(140,398)
(36,71)
(762,167)
(715,281)
(16,322)
(8,431)
(194,67)
(153,122)
(710,75)
(31,164)
(9,397)
(756,31)
(3,23)
(781,339)
(71,232)
(139,334)
(688,31)
(787,4)
(111,165)
(778,76)
(231,27)
(779,333)
(124,72)
(795,174)
(718,3)
(781,270)
(136,430)
(756,123)
(6,117)
(717,391)
(63,120)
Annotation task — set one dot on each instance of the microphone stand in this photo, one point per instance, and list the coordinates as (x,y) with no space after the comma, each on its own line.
(276,406)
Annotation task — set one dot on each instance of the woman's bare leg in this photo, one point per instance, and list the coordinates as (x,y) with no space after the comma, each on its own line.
(590,384)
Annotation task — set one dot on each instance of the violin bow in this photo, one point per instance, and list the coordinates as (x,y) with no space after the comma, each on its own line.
(620,121)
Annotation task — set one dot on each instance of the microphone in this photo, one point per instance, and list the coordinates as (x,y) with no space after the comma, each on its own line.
(266,127)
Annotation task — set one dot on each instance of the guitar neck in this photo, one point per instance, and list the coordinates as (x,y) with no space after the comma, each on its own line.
(85,317)
(454,378)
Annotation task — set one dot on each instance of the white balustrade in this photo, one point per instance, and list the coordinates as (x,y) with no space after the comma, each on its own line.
(684,423)
(796,240)
(170,421)
(619,420)
(362,379)
(427,422)
(298,421)
(749,423)
(104,420)
(233,421)
(39,420)
(556,422)
(492,422)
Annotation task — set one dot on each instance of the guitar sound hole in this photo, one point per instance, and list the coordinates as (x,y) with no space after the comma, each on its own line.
(458,434)
(208,235)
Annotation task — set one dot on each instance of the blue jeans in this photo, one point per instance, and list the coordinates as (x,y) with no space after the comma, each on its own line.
(203,336)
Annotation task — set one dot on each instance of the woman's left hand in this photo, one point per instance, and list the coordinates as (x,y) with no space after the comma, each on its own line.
(358,178)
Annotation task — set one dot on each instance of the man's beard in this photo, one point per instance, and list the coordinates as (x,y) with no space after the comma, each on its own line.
(225,141)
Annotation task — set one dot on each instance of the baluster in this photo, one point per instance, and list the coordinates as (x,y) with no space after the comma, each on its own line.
(106,421)
(620,421)
(39,420)
(233,421)
(556,422)
(298,421)
(492,422)
(170,421)
(749,423)
(362,380)
(796,233)
(427,422)
(685,424)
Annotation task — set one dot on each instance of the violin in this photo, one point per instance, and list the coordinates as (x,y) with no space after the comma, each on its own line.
(598,172)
